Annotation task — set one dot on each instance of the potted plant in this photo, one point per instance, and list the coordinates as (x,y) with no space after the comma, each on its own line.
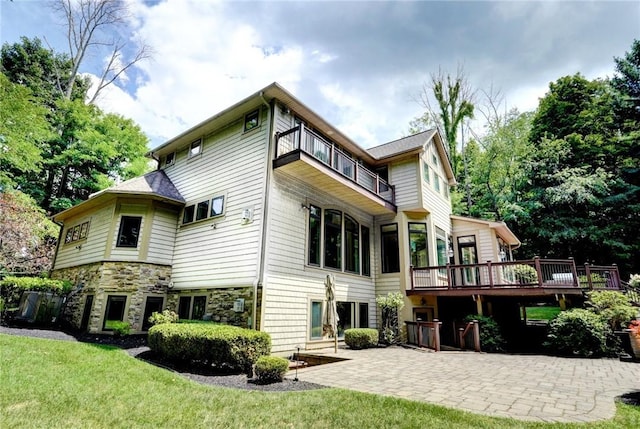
(634,337)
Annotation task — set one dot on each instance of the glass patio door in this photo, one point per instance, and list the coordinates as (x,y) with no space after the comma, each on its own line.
(468,256)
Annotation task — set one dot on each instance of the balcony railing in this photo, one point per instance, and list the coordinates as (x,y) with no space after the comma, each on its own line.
(305,140)
(533,273)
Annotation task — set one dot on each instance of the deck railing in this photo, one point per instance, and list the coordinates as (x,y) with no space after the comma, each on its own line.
(301,138)
(534,272)
(424,334)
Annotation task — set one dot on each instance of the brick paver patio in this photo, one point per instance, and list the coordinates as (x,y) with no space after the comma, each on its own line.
(525,387)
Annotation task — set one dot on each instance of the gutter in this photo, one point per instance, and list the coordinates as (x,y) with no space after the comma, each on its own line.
(258,282)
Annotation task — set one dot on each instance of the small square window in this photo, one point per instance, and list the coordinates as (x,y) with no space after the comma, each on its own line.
(434,159)
(196,148)
(76,232)
(187,216)
(252,120)
(217,206)
(203,210)
(170,159)
(129,231)
(69,237)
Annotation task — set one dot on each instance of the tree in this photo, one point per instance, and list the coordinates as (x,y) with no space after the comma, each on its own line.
(23,128)
(27,236)
(87,149)
(87,23)
(454,98)
(497,172)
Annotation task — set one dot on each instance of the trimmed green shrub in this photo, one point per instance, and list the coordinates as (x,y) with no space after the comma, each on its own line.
(220,346)
(270,369)
(120,329)
(11,288)
(578,332)
(613,307)
(361,338)
(491,339)
(167,316)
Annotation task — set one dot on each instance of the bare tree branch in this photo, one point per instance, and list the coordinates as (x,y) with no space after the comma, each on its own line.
(87,23)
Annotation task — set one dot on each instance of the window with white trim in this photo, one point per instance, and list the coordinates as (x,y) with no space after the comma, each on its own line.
(195,148)
(129,231)
(169,159)
(205,209)
(252,120)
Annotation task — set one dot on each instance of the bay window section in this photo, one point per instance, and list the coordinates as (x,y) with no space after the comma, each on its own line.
(332,239)
(352,245)
(315,230)
(418,244)
(441,246)
(390,250)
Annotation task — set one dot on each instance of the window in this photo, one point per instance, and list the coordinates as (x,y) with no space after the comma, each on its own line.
(434,159)
(129,231)
(351,244)
(192,307)
(346,314)
(418,244)
(195,148)
(170,159)
(114,311)
(203,210)
(426,171)
(336,240)
(315,228)
(441,247)
(217,206)
(252,120)
(77,232)
(390,252)
(436,182)
(363,315)
(187,216)
(332,239)
(366,252)
(316,319)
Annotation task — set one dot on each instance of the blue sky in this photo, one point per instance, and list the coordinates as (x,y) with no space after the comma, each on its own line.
(359,64)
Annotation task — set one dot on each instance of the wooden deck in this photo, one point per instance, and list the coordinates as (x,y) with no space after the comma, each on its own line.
(534,277)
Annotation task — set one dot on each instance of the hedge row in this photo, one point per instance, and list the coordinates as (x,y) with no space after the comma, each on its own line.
(221,346)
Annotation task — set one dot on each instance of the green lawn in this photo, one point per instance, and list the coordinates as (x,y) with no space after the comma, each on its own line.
(56,384)
(542,313)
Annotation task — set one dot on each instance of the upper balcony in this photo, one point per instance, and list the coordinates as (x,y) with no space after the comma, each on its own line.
(304,154)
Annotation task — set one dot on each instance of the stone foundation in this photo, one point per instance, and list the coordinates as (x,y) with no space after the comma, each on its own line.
(220,304)
(135,280)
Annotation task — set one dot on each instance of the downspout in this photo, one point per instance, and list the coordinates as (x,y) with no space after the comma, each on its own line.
(265,210)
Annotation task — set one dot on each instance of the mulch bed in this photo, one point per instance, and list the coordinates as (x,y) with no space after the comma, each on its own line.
(136,346)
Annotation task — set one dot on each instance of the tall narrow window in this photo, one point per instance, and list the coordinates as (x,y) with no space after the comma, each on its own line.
(345,316)
(390,251)
(184,307)
(316,319)
(366,252)
(315,227)
(332,239)
(199,307)
(418,244)
(441,247)
(363,315)
(426,172)
(114,311)
(129,231)
(352,245)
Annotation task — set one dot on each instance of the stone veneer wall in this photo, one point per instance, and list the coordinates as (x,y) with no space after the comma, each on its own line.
(136,280)
(220,304)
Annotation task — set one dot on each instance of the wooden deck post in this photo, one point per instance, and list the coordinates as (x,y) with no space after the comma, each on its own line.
(490,274)
(574,271)
(436,334)
(536,261)
(587,271)
(476,335)
(411,276)
(300,136)
(449,282)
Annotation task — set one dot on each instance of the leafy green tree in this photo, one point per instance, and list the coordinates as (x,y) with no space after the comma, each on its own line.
(87,149)
(23,128)
(27,236)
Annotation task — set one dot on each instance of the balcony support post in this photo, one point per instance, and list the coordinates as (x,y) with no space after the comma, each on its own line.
(490,274)
(536,262)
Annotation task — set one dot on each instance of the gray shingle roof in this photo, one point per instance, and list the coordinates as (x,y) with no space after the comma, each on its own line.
(156,182)
(405,144)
